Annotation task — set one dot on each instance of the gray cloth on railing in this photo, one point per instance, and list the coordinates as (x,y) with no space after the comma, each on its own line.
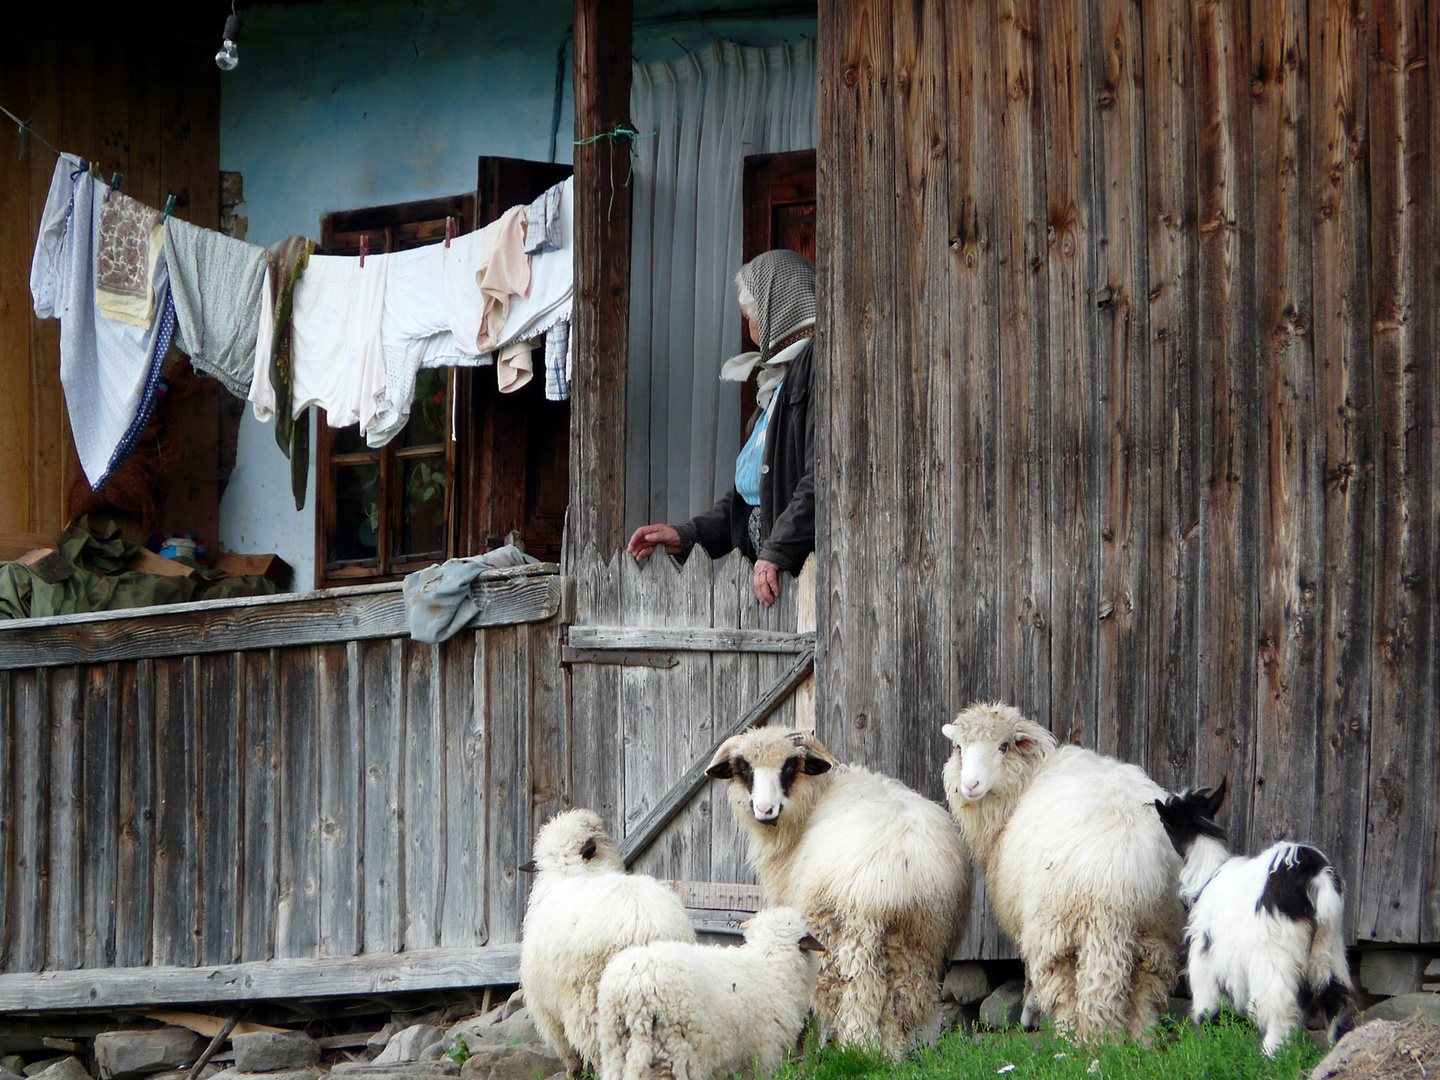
(438,603)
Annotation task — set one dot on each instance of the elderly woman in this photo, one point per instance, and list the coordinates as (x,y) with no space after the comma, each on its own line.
(770,512)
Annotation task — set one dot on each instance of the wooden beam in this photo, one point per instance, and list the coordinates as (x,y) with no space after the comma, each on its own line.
(386,973)
(657,661)
(356,613)
(688,639)
(602,275)
(675,799)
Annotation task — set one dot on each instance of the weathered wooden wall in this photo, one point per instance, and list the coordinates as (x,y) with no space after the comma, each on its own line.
(363,795)
(148,108)
(1129,311)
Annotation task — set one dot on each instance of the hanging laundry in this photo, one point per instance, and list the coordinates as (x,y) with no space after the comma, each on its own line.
(557,351)
(272,381)
(550,298)
(542,222)
(216,282)
(504,274)
(110,370)
(132,240)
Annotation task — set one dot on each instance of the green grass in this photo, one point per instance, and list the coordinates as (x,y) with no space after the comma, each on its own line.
(1225,1049)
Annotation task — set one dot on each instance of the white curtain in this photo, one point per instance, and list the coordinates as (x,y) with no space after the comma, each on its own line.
(708,112)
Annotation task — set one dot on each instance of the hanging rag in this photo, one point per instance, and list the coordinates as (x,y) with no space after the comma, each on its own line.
(336,357)
(287,261)
(542,222)
(132,240)
(547,305)
(110,370)
(216,282)
(557,350)
(504,273)
(438,601)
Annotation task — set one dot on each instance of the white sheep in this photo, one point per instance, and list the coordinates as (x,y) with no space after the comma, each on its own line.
(1078,870)
(1264,931)
(697,1012)
(584,908)
(879,872)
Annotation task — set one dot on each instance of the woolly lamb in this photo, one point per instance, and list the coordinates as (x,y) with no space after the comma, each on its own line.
(1077,868)
(878,871)
(1264,930)
(697,1012)
(584,908)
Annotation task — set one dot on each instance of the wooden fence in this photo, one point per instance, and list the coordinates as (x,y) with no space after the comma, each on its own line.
(279,796)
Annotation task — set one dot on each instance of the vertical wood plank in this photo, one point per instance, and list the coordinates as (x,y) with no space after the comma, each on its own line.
(65,920)
(384,826)
(218,748)
(339,717)
(1067,97)
(507,702)
(549,730)
(175,781)
(688,716)
(596,760)
(262,818)
(8,820)
(423,792)
(647,590)
(1130,391)
(1346,417)
(1026,617)
(1401,803)
(32,826)
(297,907)
(602,279)
(17,460)
(1291,499)
(100,812)
(135,885)
(736,684)
(467,788)
(1173,204)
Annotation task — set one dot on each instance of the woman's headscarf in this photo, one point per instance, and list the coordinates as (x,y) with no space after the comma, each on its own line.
(783,285)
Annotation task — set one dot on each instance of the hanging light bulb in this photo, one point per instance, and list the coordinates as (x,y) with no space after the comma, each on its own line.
(229,56)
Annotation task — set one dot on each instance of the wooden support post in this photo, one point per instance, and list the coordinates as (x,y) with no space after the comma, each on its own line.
(602,276)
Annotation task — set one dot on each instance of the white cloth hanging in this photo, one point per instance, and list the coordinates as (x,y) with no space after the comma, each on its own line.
(708,111)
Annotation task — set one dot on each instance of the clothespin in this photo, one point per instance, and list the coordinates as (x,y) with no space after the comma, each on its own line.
(169,206)
(24,135)
(449,230)
(116,179)
(364,249)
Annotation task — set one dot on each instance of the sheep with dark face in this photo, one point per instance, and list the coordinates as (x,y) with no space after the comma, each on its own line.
(879,872)
(584,908)
(1078,871)
(1264,931)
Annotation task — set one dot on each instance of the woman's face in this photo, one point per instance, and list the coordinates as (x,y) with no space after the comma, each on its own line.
(754,324)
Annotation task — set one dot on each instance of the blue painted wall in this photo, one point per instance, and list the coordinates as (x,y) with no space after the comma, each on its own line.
(338,105)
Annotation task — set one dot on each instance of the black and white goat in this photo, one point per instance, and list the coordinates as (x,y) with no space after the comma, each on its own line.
(1264,930)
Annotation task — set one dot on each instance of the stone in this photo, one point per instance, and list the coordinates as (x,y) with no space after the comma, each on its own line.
(209,1072)
(407,1045)
(65,1069)
(965,983)
(311,1073)
(515,1030)
(941,1022)
(434,1052)
(7,1073)
(14,1063)
(1432,974)
(274,1051)
(123,1055)
(1002,1008)
(405,1070)
(35,1068)
(1404,1006)
(512,1005)
(377,1041)
(1383,1048)
(511,1063)
(1388,972)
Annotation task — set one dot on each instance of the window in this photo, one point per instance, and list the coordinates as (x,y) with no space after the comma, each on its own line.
(472,467)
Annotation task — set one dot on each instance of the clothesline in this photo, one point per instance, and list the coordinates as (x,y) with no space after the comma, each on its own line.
(26,130)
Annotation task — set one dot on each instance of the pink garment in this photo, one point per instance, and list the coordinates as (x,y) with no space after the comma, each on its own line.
(504,272)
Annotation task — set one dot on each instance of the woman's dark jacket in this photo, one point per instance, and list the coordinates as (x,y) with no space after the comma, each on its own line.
(787,486)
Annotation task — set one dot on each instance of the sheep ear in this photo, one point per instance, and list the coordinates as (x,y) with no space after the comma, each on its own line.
(1024,743)
(817,758)
(720,767)
(948,730)
(809,943)
(528,868)
(587,850)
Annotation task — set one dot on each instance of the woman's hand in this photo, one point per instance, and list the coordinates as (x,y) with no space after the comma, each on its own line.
(648,537)
(767,582)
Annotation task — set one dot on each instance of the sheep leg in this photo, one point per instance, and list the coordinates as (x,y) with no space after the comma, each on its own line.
(858,967)
(1150,981)
(912,978)
(1030,1011)
(1103,963)
(1049,973)
(641,1051)
(550,1029)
